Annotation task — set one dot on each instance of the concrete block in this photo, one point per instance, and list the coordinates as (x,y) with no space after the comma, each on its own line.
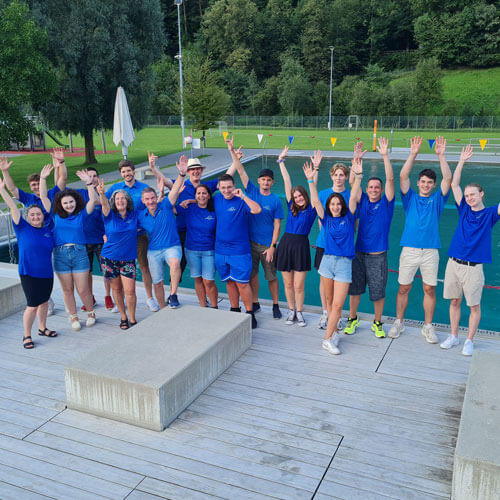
(12,297)
(149,374)
(476,468)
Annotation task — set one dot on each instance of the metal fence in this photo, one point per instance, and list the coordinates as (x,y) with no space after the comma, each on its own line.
(346,122)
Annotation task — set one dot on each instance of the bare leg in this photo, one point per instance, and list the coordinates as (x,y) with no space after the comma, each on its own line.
(378,305)
(175,274)
(147,280)
(289,289)
(234,295)
(107,287)
(42,315)
(429,302)
(455,313)
(275,290)
(246,295)
(160,294)
(28,320)
(130,296)
(211,291)
(82,287)
(474,318)
(67,285)
(117,289)
(322,296)
(299,278)
(402,301)
(254,283)
(201,291)
(339,295)
(328,291)
(354,301)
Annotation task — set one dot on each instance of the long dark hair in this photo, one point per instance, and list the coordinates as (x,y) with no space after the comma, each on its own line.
(342,203)
(295,208)
(57,205)
(210,203)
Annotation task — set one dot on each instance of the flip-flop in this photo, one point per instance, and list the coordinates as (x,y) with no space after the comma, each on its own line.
(28,345)
(47,333)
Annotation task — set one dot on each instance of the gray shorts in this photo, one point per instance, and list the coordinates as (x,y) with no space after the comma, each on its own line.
(372,270)
(258,256)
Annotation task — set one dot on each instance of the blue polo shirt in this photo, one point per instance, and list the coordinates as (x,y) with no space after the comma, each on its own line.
(161,227)
(70,229)
(231,237)
(323,197)
(188,194)
(94,226)
(121,233)
(472,238)
(302,222)
(200,227)
(374,224)
(422,219)
(35,249)
(28,199)
(262,224)
(339,235)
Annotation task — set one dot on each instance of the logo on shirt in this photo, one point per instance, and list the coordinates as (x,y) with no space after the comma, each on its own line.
(209,217)
(267,207)
(47,235)
(231,209)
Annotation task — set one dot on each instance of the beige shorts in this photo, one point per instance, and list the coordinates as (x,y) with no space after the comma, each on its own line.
(258,256)
(411,259)
(142,250)
(460,278)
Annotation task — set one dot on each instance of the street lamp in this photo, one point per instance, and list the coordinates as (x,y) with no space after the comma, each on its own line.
(179,58)
(331,85)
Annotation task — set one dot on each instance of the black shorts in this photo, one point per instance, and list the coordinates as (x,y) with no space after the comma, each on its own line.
(317,258)
(93,249)
(36,290)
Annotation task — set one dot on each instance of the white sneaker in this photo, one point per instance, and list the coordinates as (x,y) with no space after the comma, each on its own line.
(75,322)
(115,310)
(323,321)
(332,349)
(451,341)
(300,318)
(336,339)
(91,319)
(290,317)
(153,305)
(429,334)
(50,308)
(468,348)
(396,330)
(341,324)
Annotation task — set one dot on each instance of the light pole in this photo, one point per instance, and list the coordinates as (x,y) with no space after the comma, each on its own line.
(179,57)
(331,86)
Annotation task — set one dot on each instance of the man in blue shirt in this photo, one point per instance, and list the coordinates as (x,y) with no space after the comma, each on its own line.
(134,189)
(265,229)
(470,248)
(375,210)
(420,239)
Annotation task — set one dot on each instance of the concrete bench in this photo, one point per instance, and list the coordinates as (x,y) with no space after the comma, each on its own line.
(476,469)
(12,298)
(142,172)
(152,372)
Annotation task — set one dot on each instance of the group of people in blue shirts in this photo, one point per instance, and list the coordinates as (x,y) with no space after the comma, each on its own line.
(235,231)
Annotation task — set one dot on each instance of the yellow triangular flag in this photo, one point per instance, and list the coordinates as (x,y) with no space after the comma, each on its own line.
(483,143)
(333,141)
(224,134)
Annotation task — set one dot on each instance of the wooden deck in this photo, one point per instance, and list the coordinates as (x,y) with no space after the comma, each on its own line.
(287,420)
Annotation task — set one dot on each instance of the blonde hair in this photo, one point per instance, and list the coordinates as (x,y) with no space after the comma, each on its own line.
(340,166)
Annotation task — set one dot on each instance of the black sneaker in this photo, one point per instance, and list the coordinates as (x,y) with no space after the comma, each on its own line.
(254,321)
(236,309)
(276,311)
(256,307)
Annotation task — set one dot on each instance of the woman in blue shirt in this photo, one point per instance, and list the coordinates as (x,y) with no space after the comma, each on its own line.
(71,262)
(35,243)
(200,242)
(293,256)
(336,265)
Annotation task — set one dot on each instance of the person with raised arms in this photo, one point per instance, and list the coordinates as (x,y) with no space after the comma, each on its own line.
(369,267)
(71,264)
(35,242)
(293,256)
(158,220)
(265,228)
(336,265)
(470,248)
(420,240)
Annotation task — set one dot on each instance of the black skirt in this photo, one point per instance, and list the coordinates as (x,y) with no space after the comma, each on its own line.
(36,290)
(293,253)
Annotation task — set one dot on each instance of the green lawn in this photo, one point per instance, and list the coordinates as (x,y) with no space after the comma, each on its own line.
(163,141)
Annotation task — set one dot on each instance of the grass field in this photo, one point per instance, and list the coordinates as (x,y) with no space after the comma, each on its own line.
(163,141)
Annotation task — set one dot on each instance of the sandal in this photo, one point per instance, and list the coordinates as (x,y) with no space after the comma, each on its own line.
(75,322)
(132,323)
(90,319)
(28,345)
(47,333)
(124,325)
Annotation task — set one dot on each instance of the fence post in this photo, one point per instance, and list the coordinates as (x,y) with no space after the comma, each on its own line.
(472,124)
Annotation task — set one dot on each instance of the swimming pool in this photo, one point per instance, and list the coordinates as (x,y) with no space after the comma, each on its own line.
(487,175)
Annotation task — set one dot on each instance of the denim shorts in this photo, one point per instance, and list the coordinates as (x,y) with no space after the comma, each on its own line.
(158,259)
(201,263)
(336,268)
(70,259)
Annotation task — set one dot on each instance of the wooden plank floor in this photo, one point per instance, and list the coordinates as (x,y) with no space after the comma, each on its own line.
(287,420)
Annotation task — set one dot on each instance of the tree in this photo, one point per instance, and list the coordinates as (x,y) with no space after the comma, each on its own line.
(294,91)
(428,87)
(166,85)
(98,46)
(26,78)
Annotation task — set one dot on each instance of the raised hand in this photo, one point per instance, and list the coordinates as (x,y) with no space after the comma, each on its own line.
(382,147)
(84,176)
(58,155)
(182,165)
(440,145)
(358,150)
(284,153)
(316,159)
(357,166)
(230,143)
(100,187)
(152,160)
(308,171)
(415,144)
(4,163)
(239,153)
(184,204)
(46,170)
(466,153)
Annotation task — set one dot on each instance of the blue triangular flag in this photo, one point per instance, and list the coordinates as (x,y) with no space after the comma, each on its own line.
(431,143)
(290,139)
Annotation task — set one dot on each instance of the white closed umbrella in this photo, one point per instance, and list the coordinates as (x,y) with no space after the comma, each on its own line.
(123,131)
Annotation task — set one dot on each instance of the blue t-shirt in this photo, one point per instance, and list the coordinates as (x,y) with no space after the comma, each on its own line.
(188,194)
(262,225)
(161,227)
(94,226)
(70,229)
(374,224)
(35,249)
(472,238)
(121,236)
(323,197)
(200,228)
(422,219)
(302,222)
(339,234)
(231,237)
(28,199)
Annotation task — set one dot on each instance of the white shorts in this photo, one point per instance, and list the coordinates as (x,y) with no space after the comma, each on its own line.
(461,278)
(411,259)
